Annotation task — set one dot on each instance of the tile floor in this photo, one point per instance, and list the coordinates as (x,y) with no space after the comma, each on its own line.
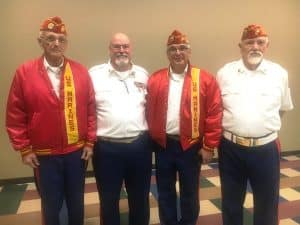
(20,204)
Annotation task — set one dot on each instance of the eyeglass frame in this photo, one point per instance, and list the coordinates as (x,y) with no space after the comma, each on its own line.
(52,39)
(172,49)
(118,47)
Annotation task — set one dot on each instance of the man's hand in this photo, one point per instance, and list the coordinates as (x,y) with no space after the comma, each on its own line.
(206,155)
(87,153)
(31,160)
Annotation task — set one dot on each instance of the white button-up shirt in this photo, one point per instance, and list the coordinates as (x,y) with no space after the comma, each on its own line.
(120,100)
(252,99)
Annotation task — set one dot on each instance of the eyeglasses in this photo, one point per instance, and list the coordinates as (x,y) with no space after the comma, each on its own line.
(181,48)
(260,42)
(53,39)
(119,47)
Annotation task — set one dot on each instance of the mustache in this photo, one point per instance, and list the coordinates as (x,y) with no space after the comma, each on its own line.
(257,53)
(122,55)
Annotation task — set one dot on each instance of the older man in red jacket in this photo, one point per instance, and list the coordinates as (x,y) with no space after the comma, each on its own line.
(51,121)
(184,115)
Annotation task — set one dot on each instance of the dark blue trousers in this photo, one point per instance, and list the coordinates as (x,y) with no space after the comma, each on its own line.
(258,165)
(129,162)
(170,163)
(62,178)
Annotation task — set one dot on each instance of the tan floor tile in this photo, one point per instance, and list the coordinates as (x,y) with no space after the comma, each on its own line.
(248,200)
(290,172)
(289,194)
(29,206)
(91,198)
(177,186)
(154,218)
(208,208)
(31,186)
(92,221)
(90,180)
(214,180)
(287,222)
(206,167)
(291,158)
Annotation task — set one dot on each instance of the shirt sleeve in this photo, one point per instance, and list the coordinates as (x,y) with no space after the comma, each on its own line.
(286,100)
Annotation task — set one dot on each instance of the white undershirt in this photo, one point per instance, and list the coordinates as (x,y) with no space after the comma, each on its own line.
(54,74)
(174,100)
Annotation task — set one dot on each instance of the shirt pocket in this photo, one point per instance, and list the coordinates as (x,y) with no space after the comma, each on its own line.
(231,96)
(270,97)
(229,92)
(137,92)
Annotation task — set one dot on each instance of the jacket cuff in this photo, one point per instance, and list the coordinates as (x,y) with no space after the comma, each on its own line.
(89,144)
(209,149)
(25,151)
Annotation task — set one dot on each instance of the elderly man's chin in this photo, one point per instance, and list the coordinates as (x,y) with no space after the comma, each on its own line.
(255,60)
(122,62)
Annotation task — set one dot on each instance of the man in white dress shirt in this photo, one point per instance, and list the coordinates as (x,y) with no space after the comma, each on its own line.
(255,93)
(122,152)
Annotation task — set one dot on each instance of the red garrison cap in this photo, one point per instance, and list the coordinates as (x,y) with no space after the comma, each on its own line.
(176,37)
(253,31)
(54,24)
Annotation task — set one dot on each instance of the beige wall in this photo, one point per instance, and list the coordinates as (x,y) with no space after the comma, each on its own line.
(213,27)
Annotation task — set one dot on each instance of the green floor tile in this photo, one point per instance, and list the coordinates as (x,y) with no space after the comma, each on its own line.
(124,218)
(123,194)
(10,198)
(248,217)
(297,189)
(205,183)
(297,219)
(283,176)
(217,202)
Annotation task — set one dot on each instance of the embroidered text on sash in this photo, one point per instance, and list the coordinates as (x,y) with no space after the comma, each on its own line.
(70,106)
(195,107)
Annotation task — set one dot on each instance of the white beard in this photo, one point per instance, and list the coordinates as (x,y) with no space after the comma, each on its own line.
(255,60)
(122,61)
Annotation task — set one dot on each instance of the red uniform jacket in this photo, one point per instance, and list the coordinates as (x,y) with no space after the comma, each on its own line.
(35,118)
(210,109)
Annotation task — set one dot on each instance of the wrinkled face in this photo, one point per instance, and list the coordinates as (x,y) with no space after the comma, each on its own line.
(178,55)
(252,51)
(53,44)
(120,52)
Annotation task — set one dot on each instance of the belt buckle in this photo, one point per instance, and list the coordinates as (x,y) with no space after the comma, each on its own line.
(243,141)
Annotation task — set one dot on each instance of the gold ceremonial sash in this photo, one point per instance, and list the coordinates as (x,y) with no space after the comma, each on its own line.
(70,106)
(195,102)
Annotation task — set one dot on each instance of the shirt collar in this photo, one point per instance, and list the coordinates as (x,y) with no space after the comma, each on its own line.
(261,68)
(54,69)
(177,76)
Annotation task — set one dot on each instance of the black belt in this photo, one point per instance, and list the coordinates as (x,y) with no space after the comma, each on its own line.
(173,137)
